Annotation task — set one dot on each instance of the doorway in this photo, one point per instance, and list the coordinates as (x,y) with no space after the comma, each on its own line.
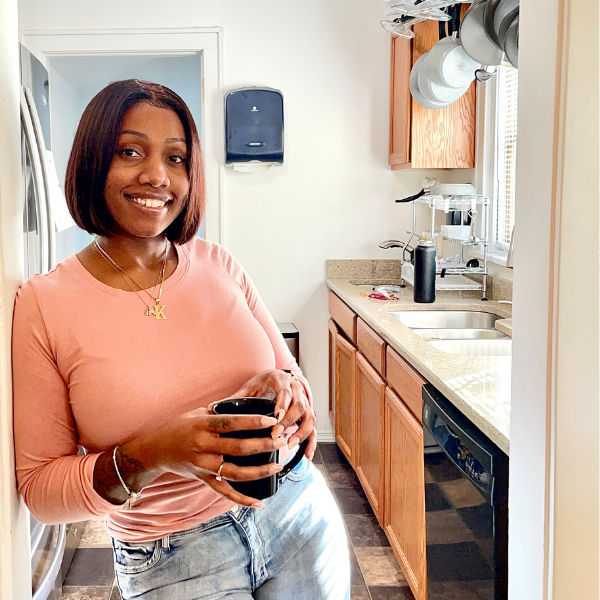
(75,80)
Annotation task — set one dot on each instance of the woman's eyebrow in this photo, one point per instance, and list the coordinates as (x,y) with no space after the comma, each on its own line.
(143,135)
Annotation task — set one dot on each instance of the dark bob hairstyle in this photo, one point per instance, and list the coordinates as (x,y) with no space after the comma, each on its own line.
(94,147)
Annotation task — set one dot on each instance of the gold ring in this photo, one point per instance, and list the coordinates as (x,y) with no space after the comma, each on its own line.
(218,476)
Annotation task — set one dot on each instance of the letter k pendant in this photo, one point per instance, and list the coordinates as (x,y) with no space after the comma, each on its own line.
(159,311)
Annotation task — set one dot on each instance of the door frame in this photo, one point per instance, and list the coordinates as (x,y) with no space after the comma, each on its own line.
(206,41)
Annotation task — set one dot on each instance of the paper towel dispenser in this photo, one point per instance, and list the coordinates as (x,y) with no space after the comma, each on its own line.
(253,128)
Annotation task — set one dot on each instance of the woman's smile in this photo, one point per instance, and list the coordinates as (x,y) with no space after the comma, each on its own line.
(152,203)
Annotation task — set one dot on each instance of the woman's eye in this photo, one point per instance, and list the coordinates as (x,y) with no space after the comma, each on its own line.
(129,152)
(177,159)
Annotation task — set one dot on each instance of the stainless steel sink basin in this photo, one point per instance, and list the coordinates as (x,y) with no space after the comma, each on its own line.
(459,334)
(497,347)
(445,319)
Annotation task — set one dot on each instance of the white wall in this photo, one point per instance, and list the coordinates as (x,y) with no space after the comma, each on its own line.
(333,198)
(529,431)
(553,535)
(576,468)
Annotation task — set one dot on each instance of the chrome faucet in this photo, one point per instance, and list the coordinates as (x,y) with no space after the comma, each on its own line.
(392,244)
(509,256)
(387,244)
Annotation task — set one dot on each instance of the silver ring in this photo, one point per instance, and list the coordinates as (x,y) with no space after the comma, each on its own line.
(218,475)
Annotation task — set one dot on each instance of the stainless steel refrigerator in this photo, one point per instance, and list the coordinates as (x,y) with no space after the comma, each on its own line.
(47,543)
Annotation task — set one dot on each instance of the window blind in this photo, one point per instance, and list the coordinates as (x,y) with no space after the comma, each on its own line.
(506,154)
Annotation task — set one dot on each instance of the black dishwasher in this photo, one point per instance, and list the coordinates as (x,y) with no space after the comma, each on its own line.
(466,507)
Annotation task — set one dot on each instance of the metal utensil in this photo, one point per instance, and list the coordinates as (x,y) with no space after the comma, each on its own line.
(488,20)
(416,92)
(505,13)
(511,43)
(448,65)
(474,38)
(484,75)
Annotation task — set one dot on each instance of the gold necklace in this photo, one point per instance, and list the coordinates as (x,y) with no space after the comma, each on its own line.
(157,311)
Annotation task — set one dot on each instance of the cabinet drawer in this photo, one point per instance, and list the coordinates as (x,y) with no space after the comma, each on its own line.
(371,345)
(406,382)
(344,316)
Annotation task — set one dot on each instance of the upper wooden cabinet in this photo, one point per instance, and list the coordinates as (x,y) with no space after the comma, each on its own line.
(421,138)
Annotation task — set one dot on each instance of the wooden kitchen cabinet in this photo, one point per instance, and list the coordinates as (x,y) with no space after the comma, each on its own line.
(370,409)
(333,331)
(345,397)
(406,382)
(371,345)
(344,316)
(404,510)
(422,138)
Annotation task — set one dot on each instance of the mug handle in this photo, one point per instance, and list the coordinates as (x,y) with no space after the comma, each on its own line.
(295,460)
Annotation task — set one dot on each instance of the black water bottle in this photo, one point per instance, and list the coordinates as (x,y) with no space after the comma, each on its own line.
(425,265)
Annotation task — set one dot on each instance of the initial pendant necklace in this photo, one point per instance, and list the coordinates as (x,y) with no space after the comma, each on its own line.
(158,310)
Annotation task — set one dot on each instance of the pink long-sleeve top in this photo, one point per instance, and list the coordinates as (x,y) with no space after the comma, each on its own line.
(89,369)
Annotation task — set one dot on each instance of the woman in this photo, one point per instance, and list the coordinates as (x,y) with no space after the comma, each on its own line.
(122,348)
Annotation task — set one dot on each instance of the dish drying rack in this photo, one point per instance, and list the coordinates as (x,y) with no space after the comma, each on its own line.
(473,206)
(403,14)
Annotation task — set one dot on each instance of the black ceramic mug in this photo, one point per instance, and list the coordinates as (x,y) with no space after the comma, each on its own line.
(259,488)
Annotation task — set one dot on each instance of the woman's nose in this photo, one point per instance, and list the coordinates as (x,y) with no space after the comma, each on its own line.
(154,172)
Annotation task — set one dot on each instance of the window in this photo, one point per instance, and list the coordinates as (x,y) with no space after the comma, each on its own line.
(507,88)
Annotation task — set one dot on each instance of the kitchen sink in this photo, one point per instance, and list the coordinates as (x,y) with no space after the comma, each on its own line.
(459,334)
(493,347)
(445,319)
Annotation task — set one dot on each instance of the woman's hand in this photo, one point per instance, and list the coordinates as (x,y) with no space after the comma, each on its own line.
(190,446)
(291,406)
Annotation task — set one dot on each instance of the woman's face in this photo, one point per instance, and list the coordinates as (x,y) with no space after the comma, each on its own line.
(148,183)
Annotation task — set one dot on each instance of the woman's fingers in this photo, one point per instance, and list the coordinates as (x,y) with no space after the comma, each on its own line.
(229,423)
(235,473)
(284,397)
(242,447)
(295,409)
(224,489)
(307,426)
(312,445)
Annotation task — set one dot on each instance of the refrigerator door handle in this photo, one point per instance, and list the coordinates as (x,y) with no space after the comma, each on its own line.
(47,584)
(40,187)
(41,148)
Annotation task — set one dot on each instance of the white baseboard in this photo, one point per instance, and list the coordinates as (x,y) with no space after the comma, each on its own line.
(325,436)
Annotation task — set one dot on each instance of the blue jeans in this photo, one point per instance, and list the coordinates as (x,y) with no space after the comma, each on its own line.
(294,549)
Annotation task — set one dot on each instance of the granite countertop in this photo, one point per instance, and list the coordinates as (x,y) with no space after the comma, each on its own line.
(479,386)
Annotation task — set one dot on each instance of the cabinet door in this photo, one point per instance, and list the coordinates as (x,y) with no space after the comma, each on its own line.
(333,331)
(405,492)
(370,399)
(400,103)
(441,139)
(421,138)
(345,404)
